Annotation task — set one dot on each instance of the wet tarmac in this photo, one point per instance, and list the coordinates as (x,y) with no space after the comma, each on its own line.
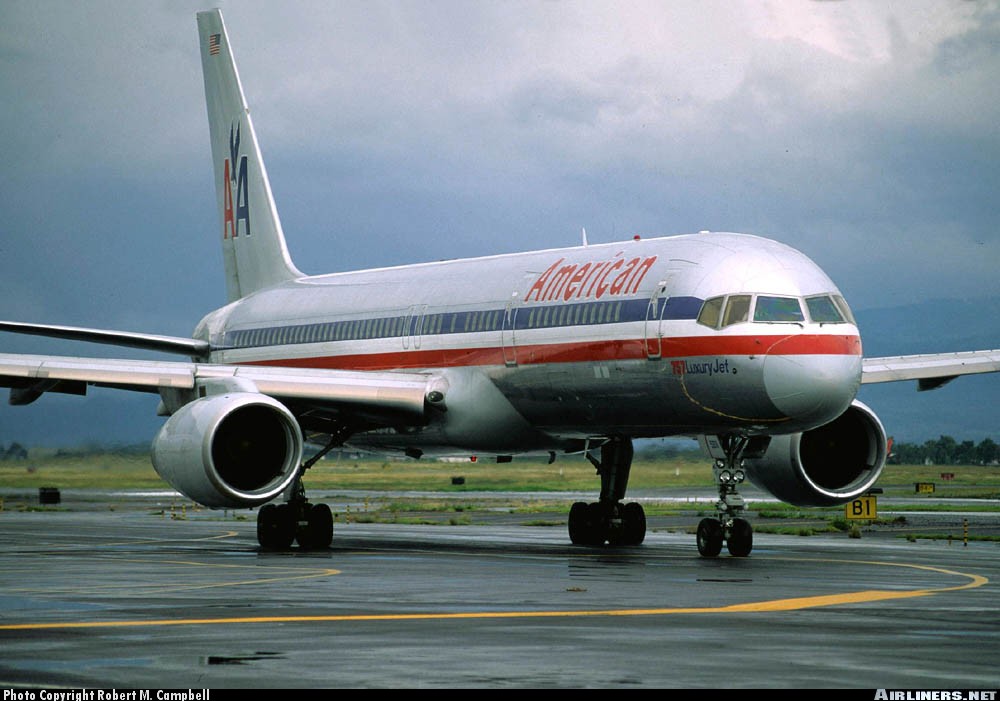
(135,598)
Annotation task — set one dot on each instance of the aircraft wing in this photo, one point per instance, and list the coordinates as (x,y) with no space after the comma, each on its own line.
(392,395)
(145,341)
(931,370)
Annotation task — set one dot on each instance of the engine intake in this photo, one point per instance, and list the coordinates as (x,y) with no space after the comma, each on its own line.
(230,450)
(833,464)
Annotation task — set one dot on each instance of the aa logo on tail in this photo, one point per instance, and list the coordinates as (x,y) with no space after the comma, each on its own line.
(235,177)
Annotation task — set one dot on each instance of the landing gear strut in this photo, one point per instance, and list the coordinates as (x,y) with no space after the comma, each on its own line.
(310,525)
(608,520)
(729,527)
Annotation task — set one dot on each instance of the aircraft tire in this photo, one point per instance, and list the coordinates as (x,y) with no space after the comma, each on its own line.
(634,518)
(275,527)
(740,541)
(318,533)
(578,524)
(597,525)
(709,537)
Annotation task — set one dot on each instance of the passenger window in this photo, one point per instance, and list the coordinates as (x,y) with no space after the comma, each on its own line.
(710,312)
(822,310)
(778,309)
(737,310)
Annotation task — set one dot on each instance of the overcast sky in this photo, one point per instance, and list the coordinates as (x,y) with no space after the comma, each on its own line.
(865,134)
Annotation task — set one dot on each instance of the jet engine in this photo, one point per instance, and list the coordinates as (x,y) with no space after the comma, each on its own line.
(230,450)
(833,464)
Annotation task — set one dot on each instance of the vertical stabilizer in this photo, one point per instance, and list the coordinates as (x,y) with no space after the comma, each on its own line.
(253,245)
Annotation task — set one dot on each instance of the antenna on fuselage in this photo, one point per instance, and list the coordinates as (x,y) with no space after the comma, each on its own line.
(584,232)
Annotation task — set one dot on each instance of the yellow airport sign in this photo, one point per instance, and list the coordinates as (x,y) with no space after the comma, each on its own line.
(865,508)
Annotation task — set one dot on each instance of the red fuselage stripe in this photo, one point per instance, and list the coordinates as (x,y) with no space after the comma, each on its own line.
(585,351)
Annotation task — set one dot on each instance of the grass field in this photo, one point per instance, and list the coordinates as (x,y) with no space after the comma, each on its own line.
(135,472)
(573,473)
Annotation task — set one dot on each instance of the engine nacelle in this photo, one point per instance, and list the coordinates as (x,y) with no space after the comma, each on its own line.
(833,464)
(230,450)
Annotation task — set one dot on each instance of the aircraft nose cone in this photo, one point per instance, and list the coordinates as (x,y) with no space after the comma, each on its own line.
(812,389)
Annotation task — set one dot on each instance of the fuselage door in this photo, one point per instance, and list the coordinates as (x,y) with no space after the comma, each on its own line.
(507,333)
(412,323)
(654,310)
(419,313)
(407,321)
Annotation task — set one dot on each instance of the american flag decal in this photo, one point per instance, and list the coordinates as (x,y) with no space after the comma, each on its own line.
(214,43)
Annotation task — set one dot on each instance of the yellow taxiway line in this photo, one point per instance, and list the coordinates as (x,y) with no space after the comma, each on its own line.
(792,604)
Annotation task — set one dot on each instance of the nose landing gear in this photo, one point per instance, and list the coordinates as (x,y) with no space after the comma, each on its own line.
(729,526)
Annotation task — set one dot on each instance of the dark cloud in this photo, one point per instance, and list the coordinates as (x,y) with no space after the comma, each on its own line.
(865,135)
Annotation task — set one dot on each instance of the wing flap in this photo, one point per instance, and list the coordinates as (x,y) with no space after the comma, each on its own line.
(98,371)
(931,370)
(388,393)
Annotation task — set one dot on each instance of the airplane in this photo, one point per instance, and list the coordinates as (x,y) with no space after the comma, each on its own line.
(738,340)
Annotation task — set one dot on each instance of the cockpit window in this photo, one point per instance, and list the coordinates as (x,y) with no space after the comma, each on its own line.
(710,312)
(737,309)
(823,310)
(720,312)
(844,309)
(780,309)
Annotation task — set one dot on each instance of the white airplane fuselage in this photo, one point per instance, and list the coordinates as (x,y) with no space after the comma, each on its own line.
(545,348)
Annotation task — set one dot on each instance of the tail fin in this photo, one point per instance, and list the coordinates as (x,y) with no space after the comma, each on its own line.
(253,244)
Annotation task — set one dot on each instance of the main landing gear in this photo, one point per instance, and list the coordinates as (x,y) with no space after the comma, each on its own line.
(608,520)
(729,526)
(310,525)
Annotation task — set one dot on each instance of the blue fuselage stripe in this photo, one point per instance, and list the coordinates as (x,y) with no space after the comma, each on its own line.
(432,323)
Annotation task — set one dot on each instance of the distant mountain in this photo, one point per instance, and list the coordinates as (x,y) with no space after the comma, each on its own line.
(938,326)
